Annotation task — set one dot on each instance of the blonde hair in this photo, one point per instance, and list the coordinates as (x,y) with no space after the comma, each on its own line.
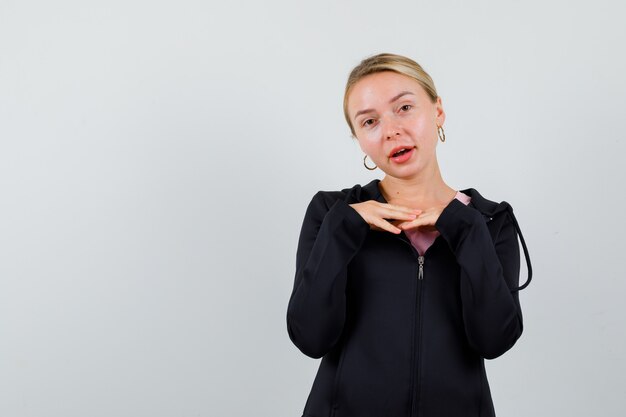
(388,62)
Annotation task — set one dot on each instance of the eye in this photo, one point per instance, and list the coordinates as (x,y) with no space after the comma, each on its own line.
(406,107)
(368,122)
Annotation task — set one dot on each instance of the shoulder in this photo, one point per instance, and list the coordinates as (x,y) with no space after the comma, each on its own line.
(489,208)
(350,195)
(498,215)
(334,206)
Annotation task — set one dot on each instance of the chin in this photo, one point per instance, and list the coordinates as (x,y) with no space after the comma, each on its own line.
(404,172)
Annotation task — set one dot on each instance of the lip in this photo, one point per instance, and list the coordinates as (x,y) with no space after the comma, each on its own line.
(399,148)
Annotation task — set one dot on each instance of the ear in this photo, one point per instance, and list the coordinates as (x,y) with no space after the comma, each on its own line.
(440,115)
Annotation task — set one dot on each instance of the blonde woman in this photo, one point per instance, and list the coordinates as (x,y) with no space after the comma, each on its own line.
(405,285)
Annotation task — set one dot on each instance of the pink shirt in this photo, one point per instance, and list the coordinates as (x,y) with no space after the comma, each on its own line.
(422,240)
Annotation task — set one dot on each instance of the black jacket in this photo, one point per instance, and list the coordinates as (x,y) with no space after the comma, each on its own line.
(402,334)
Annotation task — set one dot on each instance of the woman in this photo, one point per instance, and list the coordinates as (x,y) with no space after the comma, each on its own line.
(403,286)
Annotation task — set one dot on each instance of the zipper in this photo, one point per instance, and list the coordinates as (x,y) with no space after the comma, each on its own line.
(420,274)
(418,338)
(417,332)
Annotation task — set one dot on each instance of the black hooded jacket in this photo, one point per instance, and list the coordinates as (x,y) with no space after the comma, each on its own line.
(404,335)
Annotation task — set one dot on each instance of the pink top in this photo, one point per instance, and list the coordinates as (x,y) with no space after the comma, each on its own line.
(422,240)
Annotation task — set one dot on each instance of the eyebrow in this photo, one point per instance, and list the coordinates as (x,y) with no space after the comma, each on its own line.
(396,97)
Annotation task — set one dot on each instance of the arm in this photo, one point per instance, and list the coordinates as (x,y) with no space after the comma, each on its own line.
(331,235)
(489,270)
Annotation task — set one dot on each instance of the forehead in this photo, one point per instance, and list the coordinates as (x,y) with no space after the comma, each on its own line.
(379,88)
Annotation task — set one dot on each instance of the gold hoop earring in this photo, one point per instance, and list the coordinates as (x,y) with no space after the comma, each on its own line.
(365,164)
(441,134)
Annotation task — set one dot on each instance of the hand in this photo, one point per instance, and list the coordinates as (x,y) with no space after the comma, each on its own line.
(425,220)
(376,215)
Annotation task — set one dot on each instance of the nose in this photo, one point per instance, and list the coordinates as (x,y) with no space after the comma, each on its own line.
(391,128)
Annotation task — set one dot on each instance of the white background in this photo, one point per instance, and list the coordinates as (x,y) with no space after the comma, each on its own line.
(156,159)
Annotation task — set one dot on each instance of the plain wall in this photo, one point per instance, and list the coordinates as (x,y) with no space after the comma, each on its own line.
(156,159)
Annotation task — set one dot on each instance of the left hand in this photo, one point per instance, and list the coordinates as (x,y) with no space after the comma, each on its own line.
(425,220)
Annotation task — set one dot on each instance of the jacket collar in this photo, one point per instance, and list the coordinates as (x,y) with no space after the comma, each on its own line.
(371,191)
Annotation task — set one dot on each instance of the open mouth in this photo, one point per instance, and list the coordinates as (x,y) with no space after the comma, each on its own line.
(401,152)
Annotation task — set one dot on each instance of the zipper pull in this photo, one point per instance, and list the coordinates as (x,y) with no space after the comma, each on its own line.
(420,275)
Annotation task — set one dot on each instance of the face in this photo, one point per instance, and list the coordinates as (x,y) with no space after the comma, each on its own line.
(396,122)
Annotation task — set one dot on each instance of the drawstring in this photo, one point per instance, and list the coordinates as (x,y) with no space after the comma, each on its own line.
(519,232)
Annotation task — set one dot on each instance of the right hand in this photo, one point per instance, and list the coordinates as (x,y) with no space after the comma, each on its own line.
(377,214)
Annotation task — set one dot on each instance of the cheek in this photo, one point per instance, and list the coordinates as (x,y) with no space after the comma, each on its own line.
(371,139)
(420,125)
(425,131)
(368,141)
(366,146)
(368,134)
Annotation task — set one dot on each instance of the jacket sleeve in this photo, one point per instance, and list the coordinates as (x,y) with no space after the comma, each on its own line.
(332,233)
(489,271)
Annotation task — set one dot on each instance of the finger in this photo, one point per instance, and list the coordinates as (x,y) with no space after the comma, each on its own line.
(405,209)
(389,213)
(398,218)
(400,208)
(419,222)
(385,225)
(406,225)
(402,225)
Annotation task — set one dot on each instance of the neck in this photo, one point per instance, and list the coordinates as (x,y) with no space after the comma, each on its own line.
(427,187)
